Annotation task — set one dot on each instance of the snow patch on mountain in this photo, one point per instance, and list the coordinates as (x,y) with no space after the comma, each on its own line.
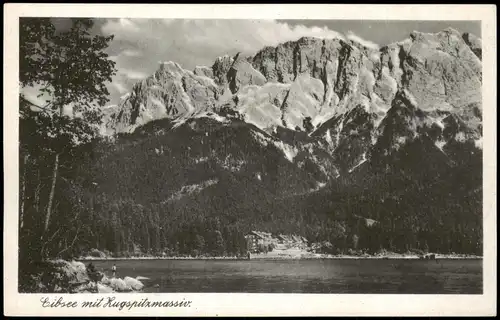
(440,144)
(328,138)
(319,185)
(213,116)
(363,160)
(439,123)
(339,130)
(260,105)
(191,189)
(289,152)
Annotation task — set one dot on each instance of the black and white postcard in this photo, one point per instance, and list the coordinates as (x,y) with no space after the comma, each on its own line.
(249,160)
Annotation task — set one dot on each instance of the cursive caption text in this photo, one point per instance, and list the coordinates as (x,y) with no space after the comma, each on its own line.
(112,302)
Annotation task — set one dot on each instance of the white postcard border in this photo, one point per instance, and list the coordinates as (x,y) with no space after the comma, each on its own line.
(240,304)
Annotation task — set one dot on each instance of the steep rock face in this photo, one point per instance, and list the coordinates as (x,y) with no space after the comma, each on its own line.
(441,71)
(425,143)
(204,71)
(312,81)
(328,77)
(220,68)
(474,43)
(427,87)
(242,74)
(171,92)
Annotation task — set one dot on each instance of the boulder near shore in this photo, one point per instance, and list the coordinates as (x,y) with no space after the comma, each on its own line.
(61,276)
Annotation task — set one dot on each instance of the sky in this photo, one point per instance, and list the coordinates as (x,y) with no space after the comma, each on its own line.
(140,45)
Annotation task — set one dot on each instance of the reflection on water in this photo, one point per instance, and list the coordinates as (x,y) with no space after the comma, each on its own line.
(304,276)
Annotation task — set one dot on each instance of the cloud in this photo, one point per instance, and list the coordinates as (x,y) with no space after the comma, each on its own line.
(35,96)
(126,25)
(132,74)
(31,94)
(120,88)
(131,53)
(139,44)
(367,43)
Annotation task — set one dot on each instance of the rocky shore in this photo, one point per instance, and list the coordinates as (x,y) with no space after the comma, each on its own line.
(61,276)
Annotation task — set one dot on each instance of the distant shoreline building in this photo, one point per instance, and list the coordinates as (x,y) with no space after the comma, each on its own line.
(256,239)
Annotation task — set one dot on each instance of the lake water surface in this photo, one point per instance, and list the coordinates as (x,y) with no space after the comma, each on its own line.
(304,276)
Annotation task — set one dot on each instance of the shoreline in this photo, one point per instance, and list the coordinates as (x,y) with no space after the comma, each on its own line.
(267,257)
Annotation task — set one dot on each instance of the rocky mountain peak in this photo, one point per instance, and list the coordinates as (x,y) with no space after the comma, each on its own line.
(220,68)
(474,43)
(314,79)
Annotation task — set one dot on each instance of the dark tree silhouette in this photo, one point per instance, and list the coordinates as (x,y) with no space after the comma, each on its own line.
(70,70)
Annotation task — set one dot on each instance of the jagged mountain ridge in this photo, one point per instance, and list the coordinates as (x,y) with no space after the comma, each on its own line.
(281,86)
(310,84)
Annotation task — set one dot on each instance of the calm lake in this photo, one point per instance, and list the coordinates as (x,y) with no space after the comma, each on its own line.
(304,276)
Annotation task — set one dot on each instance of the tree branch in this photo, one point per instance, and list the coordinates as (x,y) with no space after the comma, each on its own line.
(44,245)
(45,108)
(53,236)
(72,242)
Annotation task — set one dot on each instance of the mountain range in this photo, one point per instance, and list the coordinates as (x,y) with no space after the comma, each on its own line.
(307,137)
